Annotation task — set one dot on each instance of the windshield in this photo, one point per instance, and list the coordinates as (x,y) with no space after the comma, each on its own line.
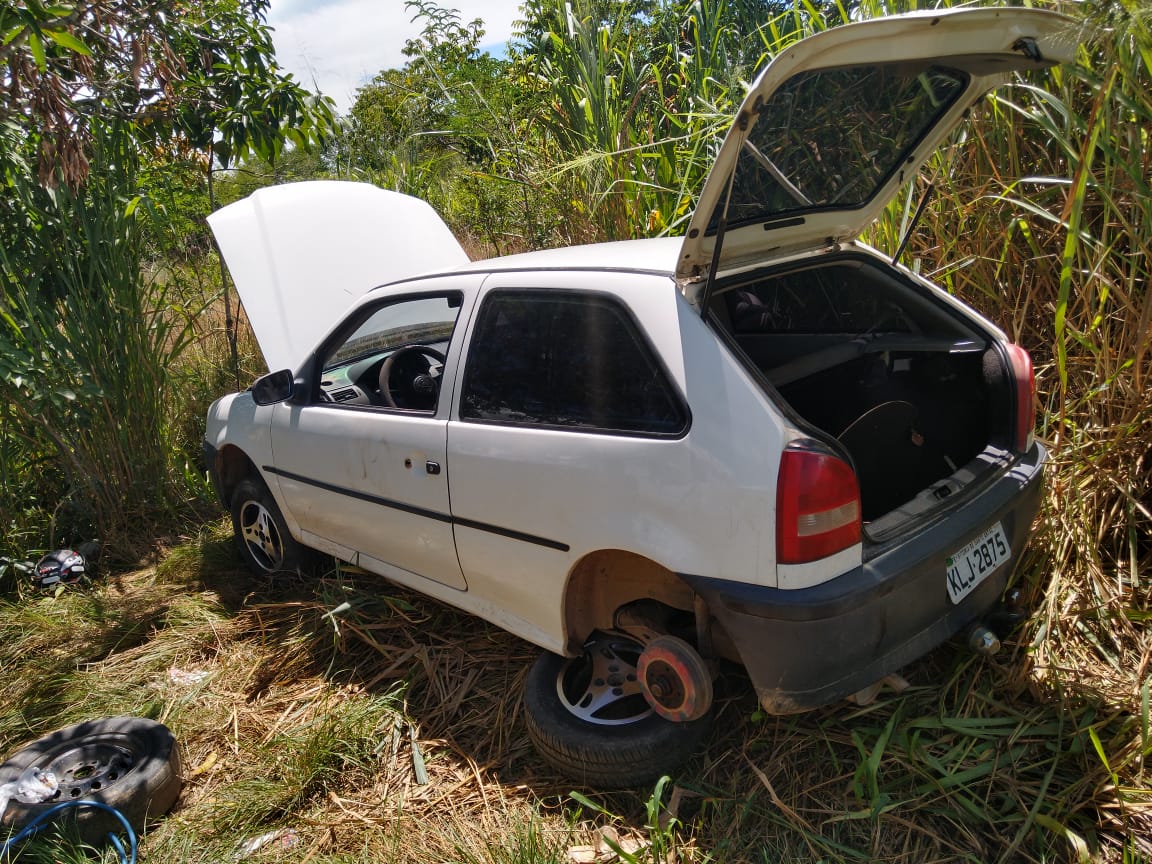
(423,321)
(831,138)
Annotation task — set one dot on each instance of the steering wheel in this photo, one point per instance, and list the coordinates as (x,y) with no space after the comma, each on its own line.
(421,385)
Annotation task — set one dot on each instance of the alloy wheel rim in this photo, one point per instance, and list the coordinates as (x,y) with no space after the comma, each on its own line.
(261,536)
(601,686)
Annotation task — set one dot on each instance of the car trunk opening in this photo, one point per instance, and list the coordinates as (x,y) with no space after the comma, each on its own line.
(919,397)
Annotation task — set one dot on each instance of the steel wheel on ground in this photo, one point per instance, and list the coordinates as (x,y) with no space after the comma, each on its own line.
(129,763)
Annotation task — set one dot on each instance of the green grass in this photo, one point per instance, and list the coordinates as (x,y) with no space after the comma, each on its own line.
(293,720)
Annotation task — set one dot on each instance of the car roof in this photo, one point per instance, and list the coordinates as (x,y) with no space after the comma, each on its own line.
(649,255)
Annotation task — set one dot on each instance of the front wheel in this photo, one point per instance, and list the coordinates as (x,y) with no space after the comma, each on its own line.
(261,532)
(588,718)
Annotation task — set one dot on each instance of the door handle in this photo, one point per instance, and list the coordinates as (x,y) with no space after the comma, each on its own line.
(432,467)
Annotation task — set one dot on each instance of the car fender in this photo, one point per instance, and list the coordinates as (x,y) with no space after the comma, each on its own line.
(239,429)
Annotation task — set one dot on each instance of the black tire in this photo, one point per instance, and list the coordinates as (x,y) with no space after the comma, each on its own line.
(627,745)
(262,535)
(129,763)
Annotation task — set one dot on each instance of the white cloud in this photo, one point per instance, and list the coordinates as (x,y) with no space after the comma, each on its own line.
(336,46)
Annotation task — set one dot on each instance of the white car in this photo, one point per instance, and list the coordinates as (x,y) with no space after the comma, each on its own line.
(762,442)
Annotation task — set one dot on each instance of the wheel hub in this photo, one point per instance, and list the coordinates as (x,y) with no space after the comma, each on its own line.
(675,680)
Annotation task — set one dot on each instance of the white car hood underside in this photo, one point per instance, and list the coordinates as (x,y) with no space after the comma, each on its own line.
(302,253)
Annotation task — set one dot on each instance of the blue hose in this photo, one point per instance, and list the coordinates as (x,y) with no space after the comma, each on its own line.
(126,857)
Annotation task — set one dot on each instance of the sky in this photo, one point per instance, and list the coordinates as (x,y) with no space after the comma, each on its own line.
(335,46)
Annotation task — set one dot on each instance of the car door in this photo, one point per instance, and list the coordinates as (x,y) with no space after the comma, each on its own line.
(569,435)
(361,463)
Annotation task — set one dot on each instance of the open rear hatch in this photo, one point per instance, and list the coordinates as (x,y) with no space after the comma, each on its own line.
(923,396)
(922,399)
(838,122)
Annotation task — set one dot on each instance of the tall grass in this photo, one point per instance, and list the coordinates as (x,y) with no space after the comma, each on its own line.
(88,351)
(635,112)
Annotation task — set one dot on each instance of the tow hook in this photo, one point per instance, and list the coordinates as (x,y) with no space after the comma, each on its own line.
(983,641)
(1009,614)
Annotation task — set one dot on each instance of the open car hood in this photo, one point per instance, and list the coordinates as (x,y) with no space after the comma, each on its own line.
(302,253)
(838,122)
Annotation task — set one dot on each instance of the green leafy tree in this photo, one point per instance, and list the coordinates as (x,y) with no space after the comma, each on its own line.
(91,342)
(455,126)
(200,75)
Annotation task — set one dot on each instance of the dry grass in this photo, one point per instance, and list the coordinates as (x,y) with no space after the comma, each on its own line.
(292,717)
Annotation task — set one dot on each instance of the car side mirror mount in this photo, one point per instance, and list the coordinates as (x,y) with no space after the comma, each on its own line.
(273,387)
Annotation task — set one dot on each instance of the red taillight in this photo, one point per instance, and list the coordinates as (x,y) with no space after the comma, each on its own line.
(1025,379)
(817,506)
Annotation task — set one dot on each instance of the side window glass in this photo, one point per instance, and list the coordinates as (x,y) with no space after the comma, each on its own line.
(566,360)
(394,357)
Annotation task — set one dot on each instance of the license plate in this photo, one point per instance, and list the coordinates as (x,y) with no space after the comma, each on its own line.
(976,562)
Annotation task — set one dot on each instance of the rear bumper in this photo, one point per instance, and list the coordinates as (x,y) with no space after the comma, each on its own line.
(808,647)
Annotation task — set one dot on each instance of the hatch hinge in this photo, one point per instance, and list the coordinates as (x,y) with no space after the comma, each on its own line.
(692,289)
(742,121)
(1027,46)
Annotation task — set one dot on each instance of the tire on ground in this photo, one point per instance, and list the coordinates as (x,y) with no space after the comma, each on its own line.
(607,757)
(129,763)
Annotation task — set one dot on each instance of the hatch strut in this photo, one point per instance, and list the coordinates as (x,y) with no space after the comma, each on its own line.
(915,218)
(778,175)
(721,227)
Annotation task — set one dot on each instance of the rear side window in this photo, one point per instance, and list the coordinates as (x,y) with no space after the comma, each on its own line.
(566,360)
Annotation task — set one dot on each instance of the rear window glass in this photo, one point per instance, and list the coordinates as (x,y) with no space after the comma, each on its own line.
(832,137)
